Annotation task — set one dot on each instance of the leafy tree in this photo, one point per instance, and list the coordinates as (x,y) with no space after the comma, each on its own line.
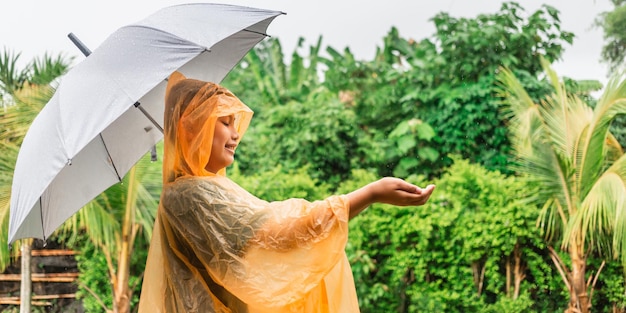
(94,288)
(265,80)
(297,122)
(613,23)
(468,248)
(279,184)
(445,82)
(566,149)
(318,133)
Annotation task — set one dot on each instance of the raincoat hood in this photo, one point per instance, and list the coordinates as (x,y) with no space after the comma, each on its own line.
(192,108)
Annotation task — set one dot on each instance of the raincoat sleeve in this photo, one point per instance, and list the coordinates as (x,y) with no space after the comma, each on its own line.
(268,254)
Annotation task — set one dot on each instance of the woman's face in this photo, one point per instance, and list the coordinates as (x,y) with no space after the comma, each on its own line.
(224,144)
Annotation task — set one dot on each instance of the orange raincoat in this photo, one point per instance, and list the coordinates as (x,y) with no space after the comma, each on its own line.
(217,248)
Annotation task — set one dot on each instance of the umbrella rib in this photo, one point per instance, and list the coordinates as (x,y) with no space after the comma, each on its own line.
(256,32)
(110,158)
(138,106)
(43,228)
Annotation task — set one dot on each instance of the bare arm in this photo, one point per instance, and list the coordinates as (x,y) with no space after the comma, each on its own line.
(388,190)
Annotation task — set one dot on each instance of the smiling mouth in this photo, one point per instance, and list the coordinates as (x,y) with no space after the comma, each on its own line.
(231,148)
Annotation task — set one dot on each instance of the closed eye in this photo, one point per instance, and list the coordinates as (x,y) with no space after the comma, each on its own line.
(227,120)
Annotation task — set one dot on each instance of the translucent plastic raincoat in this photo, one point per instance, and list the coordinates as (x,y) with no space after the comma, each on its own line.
(217,248)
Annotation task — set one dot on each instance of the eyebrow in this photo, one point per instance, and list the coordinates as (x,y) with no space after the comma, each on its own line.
(231,118)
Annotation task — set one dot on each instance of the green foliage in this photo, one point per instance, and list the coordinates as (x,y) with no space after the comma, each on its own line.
(8,153)
(279,184)
(41,71)
(613,24)
(618,129)
(94,286)
(423,259)
(428,107)
(264,80)
(411,136)
(319,133)
(23,93)
(565,149)
(445,82)
(476,47)
(297,121)
(468,123)
(522,304)
(11,77)
(609,295)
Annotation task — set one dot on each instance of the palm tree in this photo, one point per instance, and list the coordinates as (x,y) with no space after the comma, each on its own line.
(17,88)
(565,147)
(114,219)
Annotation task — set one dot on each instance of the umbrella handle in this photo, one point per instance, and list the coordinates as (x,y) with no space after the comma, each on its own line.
(81,46)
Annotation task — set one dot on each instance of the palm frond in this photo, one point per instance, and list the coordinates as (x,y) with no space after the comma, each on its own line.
(98,220)
(16,119)
(552,219)
(5,254)
(592,147)
(602,219)
(566,148)
(11,77)
(565,118)
(531,129)
(517,99)
(27,98)
(559,88)
(46,69)
(146,211)
(8,154)
(148,189)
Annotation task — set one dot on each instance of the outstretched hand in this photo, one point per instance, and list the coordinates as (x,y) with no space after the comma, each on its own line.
(388,190)
(399,192)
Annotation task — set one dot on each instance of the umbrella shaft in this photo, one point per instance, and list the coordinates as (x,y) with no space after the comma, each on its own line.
(138,106)
(79,44)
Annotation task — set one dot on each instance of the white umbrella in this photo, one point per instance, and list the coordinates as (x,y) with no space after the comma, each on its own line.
(91,132)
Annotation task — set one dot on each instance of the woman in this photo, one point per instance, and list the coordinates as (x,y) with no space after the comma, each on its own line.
(217,248)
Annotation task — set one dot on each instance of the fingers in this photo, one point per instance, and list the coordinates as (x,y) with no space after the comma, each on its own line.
(421,195)
(400,192)
(402,185)
(428,190)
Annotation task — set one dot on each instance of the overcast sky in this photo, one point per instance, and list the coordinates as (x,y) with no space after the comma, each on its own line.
(34,27)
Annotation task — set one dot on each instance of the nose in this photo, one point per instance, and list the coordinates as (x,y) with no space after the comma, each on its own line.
(234,134)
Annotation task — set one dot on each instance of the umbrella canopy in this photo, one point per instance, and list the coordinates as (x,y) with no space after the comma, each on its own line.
(91,132)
